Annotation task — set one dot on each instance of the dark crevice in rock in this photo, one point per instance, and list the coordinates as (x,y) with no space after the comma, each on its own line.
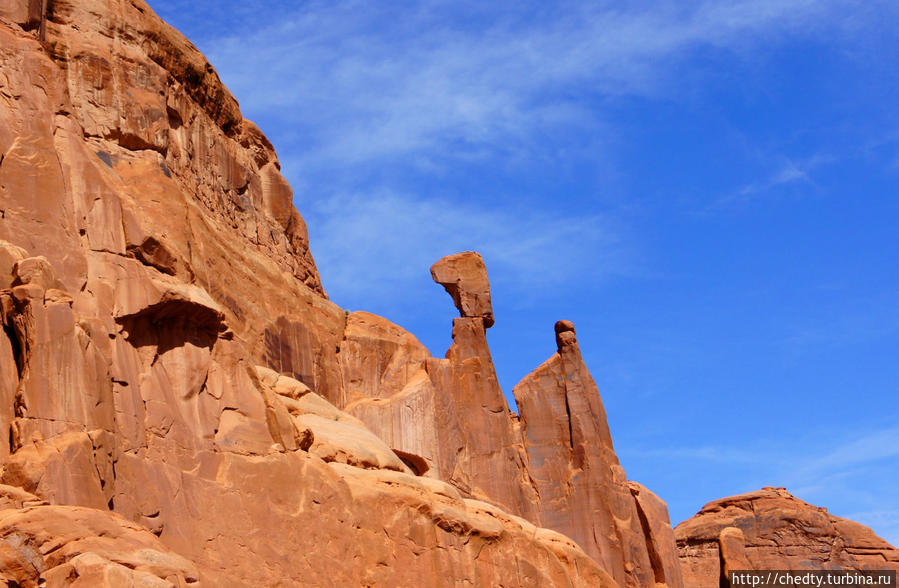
(658,569)
(13,440)
(175,120)
(723,581)
(17,351)
(245,203)
(49,10)
(133,142)
(570,424)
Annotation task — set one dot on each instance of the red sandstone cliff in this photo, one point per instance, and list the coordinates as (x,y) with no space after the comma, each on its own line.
(184,405)
(168,359)
(583,489)
(554,465)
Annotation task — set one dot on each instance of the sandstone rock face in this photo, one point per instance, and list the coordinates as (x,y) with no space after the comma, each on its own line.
(732,550)
(659,536)
(771,529)
(70,545)
(555,466)
(387,386)
(450,412)
(378,359)
(172,374)
(119,138)
(488,460)
(507,550)
(193,430)
(583,489)
(184,406)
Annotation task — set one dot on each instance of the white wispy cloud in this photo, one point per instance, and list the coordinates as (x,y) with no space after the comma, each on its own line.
(374,244)
(841,471)
(869,447)
(368,81)
(787,172)
(805,464)
(428,86)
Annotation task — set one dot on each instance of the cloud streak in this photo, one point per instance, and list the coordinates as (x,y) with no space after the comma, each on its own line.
(870,447)
(362,83)
(845,469)
(370,98)
(787,173)
(859,449)
(406,233)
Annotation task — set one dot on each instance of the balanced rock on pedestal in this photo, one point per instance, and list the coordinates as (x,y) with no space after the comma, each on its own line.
(464,276)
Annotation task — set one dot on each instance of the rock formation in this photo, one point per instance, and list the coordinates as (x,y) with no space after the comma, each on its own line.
(71,545)
(450,412)
(168,355)
(771,529)
(583,490)
(183,404)
(555,466)
(464,276)
(488,461)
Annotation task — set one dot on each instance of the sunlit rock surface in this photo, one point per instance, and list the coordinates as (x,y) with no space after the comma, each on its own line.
(184,406)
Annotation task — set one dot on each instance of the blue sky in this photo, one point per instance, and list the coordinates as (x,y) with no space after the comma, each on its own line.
(707,189)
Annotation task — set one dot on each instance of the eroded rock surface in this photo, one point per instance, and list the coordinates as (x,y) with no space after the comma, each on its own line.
(118,137)
(450,412)
(583,489)
(49,545)
(772,529)
(171,372)
(183,404)
(464,277)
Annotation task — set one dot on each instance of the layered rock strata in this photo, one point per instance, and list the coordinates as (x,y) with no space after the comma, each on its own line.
(44,545)
(170,425)
(771,529)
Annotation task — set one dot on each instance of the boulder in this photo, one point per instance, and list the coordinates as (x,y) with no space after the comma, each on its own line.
(75,546)
(772,529)
(464,277)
